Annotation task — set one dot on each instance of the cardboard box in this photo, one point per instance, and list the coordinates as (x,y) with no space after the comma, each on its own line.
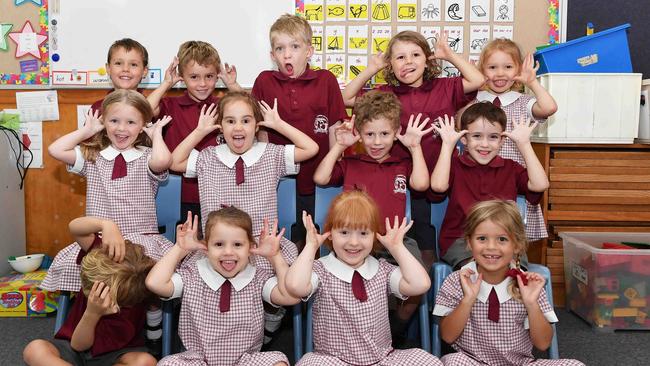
(21,297)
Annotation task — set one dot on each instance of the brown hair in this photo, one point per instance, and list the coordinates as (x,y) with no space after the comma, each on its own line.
(200,52)
(486,111)
(129,44)
(432,68)
(233,96)
(100,141)
(503,45)
(232,216)
(355,210)
(292,25)
(376,104)
(125,279)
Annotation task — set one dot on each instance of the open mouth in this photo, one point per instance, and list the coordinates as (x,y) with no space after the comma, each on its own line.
(229,265)
(405,72)
(500,83)
(289,68)
(238,141)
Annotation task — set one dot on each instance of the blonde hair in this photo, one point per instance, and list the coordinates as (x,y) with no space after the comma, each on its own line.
(100,141)
(355,210)
(505,214)
(376,104)
(292,25)
(125,279)
(232,216)
(200,52)
(431,69)
(234,96)
(503,45)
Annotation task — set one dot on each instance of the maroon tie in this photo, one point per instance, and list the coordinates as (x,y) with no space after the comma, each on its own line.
(119,167)
(493,306)
(239,171)
(358,288)
(224,298)
(497,102)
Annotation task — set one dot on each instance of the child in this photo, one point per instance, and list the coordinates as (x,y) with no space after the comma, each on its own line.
(217,325)
(480,174)
(351,287)
(412,71)
(502,65)
(512,313)
(105,324)
(308,99)
(199,67)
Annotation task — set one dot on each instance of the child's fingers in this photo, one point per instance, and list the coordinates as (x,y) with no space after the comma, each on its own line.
(275,103)
(281,233)
(195,223)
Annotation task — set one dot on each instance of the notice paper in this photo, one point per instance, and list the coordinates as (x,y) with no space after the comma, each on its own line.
(38,106)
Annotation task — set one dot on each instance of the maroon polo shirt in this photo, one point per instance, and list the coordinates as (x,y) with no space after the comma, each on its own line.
(185,117)
(311,102)
(470,182)
(385,182)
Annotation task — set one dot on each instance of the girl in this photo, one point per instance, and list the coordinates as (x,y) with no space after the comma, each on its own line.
(104,326)
(122,176)
(512,313)
(502,65)
(221,320)
(411,71)
(351,287)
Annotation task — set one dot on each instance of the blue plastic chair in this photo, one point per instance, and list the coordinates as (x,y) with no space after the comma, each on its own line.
(441,270)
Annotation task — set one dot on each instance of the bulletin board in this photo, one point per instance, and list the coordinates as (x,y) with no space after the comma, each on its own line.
(24,57)
(348,32)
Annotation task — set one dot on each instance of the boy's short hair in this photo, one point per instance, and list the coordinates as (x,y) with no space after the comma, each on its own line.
(129,44)
(292,25)
(485,110)
(377,104)
(200,52)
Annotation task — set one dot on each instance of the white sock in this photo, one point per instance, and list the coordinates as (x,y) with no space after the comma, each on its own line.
(154,320)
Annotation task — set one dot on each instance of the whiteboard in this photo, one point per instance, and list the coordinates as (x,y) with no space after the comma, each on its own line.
(82,31)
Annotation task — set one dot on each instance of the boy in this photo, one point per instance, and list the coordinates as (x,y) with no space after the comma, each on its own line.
(308,99)
(480,174)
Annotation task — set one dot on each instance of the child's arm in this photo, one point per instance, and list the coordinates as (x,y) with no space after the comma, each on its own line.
(411,139)
(83,230)
(345,137)
(375,64)
(452,325)
(298,278)
(472,77)
(520,134)
(160,159)
(305,146)
(62,149)
(415,280)
(545,105)
(449,136)
(228,75)
(269,248)
(541,332)
(99,304)
(206,124)
(159,280)
(171,78)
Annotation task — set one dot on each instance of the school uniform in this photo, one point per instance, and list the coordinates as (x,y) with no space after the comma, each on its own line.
(129,201)
(518,105)
(212,334)
(485,342)
(264,165)
(348,331)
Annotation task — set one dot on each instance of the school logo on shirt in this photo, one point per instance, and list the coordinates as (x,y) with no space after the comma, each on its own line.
(400,184)
(320,124)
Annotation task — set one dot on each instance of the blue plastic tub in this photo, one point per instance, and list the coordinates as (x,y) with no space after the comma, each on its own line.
(605,51)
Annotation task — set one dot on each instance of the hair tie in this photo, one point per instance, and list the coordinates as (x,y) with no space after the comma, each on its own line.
(514,272)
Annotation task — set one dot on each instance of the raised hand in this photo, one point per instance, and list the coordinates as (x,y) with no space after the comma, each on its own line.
(441,50)
(208,119)
(313,240)
(414,131)
(157,127)
(377,62)
(228,74)
(171,74)
(530,292)
(447,130)
(345,135)
(93,121)
(470,287)
(528,72)
(187,234)
(113,242)
(269,241)
(100,302)
(521,131)
(394,234)
(271,115)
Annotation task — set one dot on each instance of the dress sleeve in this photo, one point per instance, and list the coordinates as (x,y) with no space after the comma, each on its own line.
(79,163)
(521,175)
(449,295)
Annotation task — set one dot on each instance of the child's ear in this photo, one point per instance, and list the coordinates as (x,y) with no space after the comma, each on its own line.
(310,50)
(463,140)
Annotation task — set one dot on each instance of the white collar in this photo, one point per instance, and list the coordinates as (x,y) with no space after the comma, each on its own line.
(501,289)
(250,157)
(506,98)
(129,155)
(342,271)
(214,279)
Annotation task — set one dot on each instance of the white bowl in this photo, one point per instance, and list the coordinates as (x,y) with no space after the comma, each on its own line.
(26,263)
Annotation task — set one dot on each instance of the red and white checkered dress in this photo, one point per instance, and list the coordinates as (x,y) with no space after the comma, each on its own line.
(129,201)
(517,105)
(484,342)
(214,338)
(264,164)
(350,332)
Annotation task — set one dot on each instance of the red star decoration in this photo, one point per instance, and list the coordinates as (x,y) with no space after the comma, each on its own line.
(22,49)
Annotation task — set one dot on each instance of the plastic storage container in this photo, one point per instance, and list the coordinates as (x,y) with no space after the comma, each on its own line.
(605,51)
(592,108)
(644,113)
(609,288)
